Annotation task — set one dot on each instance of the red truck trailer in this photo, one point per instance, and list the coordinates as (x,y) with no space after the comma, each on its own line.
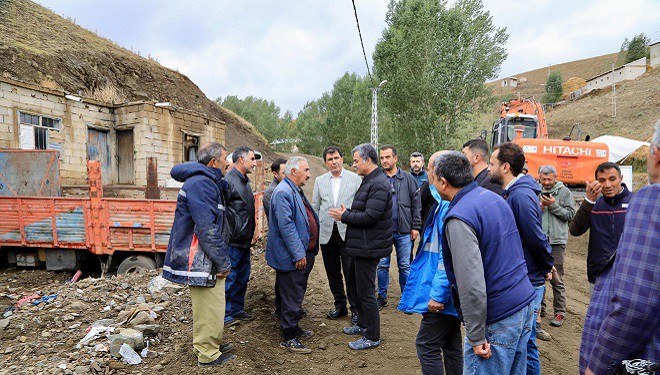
(130,233)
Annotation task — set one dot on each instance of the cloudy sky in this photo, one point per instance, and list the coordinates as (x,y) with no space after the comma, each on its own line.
(292,51)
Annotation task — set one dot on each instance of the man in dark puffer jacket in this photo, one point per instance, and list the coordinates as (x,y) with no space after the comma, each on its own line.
(368,238)
(197,253)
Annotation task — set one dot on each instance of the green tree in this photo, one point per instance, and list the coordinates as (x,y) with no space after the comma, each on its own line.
(263,114)
(341,117)
(637,48)
(436,59)
(553,88)
(311,126)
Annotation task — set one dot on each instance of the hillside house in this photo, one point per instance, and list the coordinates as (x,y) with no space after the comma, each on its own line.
(510,82)
(122,137)
(655,54)
(626,72)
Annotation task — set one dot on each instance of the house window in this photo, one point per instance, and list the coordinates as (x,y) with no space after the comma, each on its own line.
(190,147)
(35,129)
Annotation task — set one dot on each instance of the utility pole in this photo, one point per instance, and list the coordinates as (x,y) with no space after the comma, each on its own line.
(374,114)
(613,93)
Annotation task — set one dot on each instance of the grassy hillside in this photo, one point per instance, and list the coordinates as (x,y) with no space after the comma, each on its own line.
(536,79)
(38,46)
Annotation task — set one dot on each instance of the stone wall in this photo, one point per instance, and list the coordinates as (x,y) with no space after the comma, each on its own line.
(157,131)
(71,138)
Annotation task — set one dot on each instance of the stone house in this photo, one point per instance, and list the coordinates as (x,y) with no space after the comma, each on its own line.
(121,136)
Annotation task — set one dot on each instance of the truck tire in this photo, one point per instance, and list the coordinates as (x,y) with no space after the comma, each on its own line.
(136,263)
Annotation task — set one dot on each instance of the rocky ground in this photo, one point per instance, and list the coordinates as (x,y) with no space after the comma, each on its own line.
(44,338)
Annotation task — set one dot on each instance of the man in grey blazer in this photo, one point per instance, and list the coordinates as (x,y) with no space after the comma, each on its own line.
(332,190)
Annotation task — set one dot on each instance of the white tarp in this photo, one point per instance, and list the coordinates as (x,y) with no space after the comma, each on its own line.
(620,147)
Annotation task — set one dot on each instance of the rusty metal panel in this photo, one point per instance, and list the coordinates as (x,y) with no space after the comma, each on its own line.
(34,173)
(140,224)
(30,222)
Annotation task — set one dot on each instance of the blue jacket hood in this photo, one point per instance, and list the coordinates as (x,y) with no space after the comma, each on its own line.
(184,171)
(526,181)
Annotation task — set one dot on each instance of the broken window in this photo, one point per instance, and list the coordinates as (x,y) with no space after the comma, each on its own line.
(190,147)
(34,130)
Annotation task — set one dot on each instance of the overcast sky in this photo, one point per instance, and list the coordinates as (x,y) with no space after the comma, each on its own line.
(292,51)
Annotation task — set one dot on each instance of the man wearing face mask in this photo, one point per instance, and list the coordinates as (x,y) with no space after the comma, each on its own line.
(427,292)
(603,216)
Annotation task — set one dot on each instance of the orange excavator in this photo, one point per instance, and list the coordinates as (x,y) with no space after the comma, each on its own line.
(523,122)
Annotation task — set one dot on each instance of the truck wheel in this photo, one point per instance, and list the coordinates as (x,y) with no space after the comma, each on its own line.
(136,263)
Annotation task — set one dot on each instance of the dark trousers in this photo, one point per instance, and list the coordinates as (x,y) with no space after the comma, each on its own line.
(557,282)
(440,337)
(237,281)
(334,261)
(363,278)
(291,288)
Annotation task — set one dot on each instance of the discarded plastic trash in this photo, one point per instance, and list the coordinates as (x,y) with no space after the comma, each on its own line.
(129,355)
(101,348)
(45,299)
(26,299)
(93,334)
(76,276)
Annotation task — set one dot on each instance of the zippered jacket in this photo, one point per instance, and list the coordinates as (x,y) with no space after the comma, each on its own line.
(197,250)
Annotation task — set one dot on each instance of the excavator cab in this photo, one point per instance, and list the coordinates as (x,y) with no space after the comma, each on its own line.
(504,129)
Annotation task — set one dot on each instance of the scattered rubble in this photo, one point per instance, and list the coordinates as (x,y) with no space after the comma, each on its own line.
(92,326)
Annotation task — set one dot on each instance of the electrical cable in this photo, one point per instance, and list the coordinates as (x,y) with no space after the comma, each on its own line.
(362,43)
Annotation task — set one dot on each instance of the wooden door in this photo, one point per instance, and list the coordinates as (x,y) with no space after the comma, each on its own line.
(99,149)
(125,157)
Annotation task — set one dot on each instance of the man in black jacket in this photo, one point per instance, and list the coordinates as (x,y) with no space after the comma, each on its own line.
(368,238)
(406,220)
(240,209)
(476,151)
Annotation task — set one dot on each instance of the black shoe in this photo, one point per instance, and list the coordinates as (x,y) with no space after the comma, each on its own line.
(295,346)
(382,302)
(243,316)
(302,334)
(224,358)
(354,318)
(337,313)
(226,348)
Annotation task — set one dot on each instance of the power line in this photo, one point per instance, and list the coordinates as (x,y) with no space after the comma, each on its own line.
(362,43)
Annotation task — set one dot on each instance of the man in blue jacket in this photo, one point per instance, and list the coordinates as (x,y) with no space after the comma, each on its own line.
(197,252)
(293,236)
(485,265)
(603,217)
(521,192)
(427,292)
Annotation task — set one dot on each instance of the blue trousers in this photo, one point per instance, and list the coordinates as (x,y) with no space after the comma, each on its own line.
(236,283)
(533,362)
(403,246)
(508,342)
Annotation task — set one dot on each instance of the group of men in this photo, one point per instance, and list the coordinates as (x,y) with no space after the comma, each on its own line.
(489,238)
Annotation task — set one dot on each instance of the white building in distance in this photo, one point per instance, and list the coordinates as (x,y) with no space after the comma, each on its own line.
(626,72)
(655,54)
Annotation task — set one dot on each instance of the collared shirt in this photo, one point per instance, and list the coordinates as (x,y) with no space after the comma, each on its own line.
(335,183)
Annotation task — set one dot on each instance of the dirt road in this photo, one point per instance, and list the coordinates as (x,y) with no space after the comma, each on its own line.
(40,338)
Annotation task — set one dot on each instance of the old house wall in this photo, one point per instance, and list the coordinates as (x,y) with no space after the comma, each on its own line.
(159,133)
(70,139)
